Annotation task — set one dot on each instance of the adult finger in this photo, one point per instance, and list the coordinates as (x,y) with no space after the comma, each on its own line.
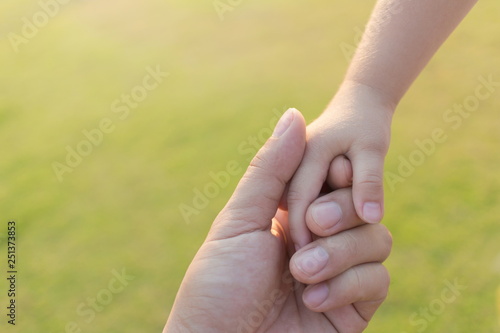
(332,213)
(327,258)
(257,196)
(360,285)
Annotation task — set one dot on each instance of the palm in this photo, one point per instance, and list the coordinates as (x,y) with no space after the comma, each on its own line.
(252,287)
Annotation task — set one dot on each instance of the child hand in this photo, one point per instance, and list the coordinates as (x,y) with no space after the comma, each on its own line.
(357,125)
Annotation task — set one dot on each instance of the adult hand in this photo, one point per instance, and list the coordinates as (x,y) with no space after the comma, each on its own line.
(243,280)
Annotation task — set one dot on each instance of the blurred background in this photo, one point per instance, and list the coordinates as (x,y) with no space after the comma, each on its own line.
(115,116)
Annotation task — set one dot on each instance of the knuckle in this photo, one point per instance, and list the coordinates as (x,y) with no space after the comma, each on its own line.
(381,289)
(357,283)
(374,145)
(349,245)
(321,139)
(388,241)
(385,279)
(385,237)
(246,214)
(371,179)
(258,163)
(294,196)
(259,172)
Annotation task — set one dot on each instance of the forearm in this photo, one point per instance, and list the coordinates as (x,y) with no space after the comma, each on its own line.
(400,39)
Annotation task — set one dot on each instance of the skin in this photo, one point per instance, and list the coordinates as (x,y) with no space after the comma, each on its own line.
(246,276)
(400,39)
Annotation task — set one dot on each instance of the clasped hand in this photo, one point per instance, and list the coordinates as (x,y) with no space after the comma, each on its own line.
(247,276)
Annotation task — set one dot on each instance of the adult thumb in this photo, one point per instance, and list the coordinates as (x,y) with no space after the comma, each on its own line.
(257,196)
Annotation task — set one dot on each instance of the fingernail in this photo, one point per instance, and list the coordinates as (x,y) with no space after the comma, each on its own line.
(372,212)
(326,214)
(312,261)
(284,122)
(316,295)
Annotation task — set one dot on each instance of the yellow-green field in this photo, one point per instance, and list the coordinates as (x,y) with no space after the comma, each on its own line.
(117,208)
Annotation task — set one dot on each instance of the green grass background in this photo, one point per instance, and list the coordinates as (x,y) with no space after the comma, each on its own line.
(120,207)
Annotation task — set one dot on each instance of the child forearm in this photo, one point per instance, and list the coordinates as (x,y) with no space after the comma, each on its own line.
(400,38)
